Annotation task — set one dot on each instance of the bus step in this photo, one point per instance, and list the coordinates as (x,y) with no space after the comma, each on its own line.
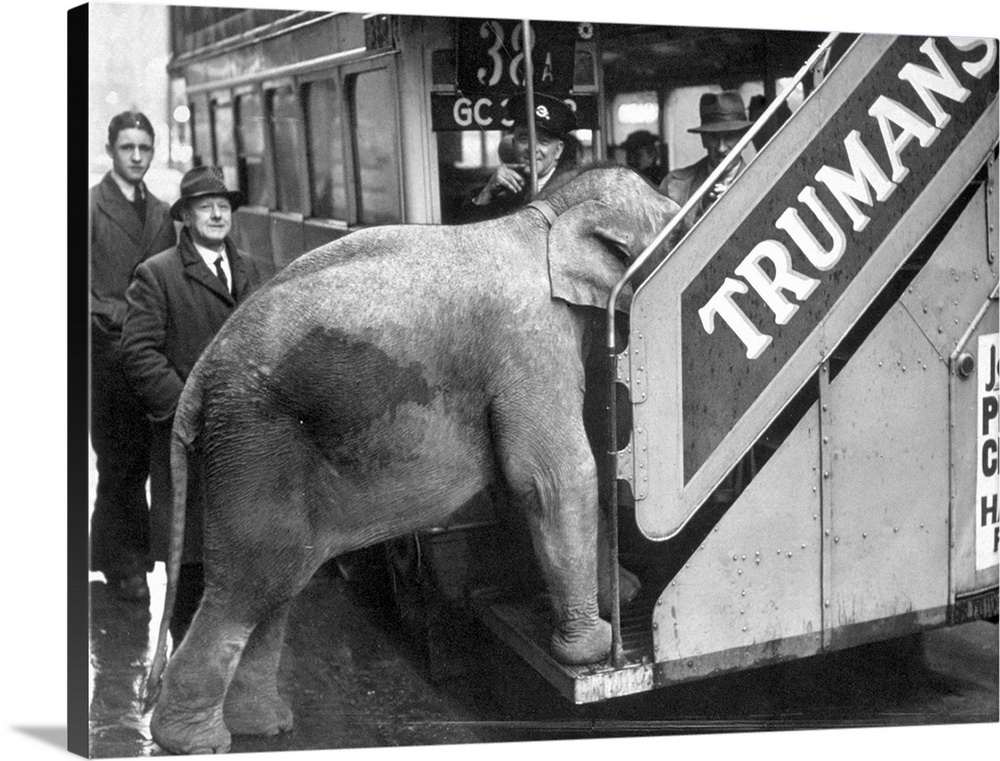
(525,626)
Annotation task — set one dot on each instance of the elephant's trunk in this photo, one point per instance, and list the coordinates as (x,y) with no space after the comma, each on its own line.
(186,425)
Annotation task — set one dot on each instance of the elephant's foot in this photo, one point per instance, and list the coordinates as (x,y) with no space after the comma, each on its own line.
(628,587)
(257,714)
(582,645)
(189,733)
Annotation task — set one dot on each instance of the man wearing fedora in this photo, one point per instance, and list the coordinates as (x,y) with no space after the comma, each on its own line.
(723,123)
(509,187)
(177,301)
(127,225)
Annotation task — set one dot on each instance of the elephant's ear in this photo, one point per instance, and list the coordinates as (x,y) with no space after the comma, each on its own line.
(589,249)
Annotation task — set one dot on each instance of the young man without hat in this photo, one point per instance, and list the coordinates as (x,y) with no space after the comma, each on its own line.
(127,225)
(177,302)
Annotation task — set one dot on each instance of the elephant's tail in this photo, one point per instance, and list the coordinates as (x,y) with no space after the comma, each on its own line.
(187,424)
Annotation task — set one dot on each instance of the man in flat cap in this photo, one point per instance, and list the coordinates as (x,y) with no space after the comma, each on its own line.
(642,154)
(177,301)
(510,185)
(723,123)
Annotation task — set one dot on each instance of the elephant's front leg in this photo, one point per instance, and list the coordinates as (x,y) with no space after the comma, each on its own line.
(564,532)
(253,705)
(188,716)
(548,464)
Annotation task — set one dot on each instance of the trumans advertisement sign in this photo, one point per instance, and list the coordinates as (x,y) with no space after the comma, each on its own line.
(987,478)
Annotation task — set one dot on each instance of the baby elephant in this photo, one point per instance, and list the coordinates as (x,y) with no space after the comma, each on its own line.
(371,389)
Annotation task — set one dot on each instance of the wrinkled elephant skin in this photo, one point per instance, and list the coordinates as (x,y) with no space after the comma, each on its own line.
(369,390)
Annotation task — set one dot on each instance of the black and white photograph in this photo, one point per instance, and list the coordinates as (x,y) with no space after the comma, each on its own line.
(526,379)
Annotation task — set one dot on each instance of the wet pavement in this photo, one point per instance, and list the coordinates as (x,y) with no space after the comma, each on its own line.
(357,678)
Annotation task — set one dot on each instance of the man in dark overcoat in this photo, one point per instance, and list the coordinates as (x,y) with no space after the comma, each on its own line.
(127,225)
(177,302)
(723,123)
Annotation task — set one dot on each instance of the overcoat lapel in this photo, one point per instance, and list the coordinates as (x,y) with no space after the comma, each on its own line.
(120,210)
(196,269)
(155,219)
(240,275)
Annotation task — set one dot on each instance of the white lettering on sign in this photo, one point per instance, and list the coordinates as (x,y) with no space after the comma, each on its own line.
(491,76)
(466,112)
(865,183)
(987,446)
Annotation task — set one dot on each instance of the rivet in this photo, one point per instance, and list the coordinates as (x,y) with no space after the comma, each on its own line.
(803,546)
(735,558)
(864,534)
(895,529)
(740,572)
(744,557)
(836,540)
(826,603)
(827,532)
(789,554)
(655,626)
(743,593)
(826,474)
(741,612)
(690,664)
(826,439)
(744,628)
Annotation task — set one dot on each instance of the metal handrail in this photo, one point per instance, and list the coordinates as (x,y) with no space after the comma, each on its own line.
(617,657)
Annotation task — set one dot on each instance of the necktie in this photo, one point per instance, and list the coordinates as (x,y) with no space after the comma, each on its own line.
(139,203)
(221,272)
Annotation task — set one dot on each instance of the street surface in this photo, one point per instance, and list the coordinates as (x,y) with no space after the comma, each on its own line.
(357,679)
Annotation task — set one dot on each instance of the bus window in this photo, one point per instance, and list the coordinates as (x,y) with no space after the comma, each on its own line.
(225,142)
(288,149)
(465,162)
(251,150)
(201,133)
(375,140)
(327,171)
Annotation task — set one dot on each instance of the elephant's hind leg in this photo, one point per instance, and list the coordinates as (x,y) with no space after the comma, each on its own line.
(253,705)
(188,716)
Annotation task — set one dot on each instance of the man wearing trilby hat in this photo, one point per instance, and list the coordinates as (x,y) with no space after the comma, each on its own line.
(510,185)
(723,123)
(177,301)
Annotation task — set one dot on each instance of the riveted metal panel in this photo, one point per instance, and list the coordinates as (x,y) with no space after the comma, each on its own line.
(885,485)
(751,592)
(950,289)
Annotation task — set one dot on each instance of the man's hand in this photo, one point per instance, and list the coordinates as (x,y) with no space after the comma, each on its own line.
(508,179)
